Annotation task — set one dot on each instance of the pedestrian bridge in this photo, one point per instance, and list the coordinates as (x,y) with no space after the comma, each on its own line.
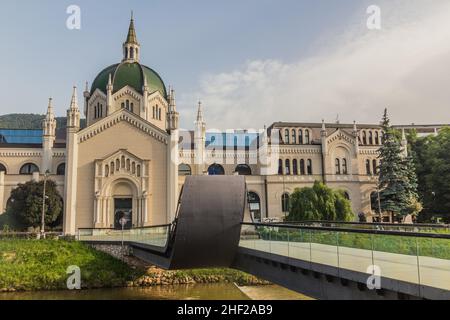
(324,260)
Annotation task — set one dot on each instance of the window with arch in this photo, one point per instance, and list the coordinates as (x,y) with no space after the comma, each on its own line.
(338,166)
(375,166)
(254,204)
(286,136)
(29,168)
(307,137)
(243,170)
(285,203)
(132,53)
(294,137)
(302,167)
(344,166)
(216,170)
(300,136)
(309,167)
(280,167)
(377,138)
(370,137)
(107,171)
(61,169)
(287,167)
(368,168)
(364,138)
(184,170)
(295,167)
(2,168)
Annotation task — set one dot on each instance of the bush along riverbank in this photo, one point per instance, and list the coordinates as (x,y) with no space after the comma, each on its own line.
(32,265)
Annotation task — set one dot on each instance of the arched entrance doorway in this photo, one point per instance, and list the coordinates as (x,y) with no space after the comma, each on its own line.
(124,196)
(254,204)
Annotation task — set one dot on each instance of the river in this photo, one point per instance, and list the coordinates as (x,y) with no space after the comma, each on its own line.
(179,292)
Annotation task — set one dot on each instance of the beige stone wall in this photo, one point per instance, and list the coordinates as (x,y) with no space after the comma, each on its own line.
(121,136)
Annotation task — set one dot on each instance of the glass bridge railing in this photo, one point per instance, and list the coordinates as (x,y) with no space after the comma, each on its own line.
(413,228)
(417,258)
(155,236)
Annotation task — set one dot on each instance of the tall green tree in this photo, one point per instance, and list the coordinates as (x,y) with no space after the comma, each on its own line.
(432,158)
(25,203)
(319,203)
(397,175)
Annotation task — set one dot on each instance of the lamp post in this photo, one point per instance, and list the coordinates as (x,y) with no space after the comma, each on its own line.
(46,175)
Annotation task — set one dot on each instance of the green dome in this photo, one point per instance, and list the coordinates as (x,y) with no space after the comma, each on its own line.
(129,74)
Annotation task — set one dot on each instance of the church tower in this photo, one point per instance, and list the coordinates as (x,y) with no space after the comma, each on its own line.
(73,126)
(199,141)
(48,139)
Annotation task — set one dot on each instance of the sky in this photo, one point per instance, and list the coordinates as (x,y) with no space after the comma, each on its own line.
(251,62)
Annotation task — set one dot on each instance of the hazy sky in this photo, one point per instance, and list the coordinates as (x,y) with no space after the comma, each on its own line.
(252,62)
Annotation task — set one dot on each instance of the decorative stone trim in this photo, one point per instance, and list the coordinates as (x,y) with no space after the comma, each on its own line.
(116,118)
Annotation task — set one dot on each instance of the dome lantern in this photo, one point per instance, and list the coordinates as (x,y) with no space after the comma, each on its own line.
(131,47)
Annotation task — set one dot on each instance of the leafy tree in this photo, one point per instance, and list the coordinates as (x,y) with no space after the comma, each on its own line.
(397,180)
(26,203)
(319,203)
(432,158)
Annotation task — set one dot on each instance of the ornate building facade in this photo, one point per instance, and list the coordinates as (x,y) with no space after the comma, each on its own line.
(131,158)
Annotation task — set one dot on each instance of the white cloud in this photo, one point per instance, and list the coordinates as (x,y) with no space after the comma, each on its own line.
(405,66)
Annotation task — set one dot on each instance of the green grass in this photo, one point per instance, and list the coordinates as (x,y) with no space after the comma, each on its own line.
(42,265)
(29,265)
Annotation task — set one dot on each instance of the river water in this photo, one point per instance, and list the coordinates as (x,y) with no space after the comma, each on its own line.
(179,292)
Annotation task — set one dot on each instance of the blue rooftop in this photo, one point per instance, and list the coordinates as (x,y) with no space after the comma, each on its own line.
(20,136)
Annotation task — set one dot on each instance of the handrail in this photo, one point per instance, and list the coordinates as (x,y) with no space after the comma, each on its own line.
(138,228)
(347,230)
(417,225)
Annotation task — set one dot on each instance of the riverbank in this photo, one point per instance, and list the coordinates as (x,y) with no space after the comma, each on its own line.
(31,265)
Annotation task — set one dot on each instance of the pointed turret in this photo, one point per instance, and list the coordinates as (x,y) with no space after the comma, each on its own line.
(73,114)
(49,123)
(131,47)
(173,114)
(323,131)
(86,95)
(200,113)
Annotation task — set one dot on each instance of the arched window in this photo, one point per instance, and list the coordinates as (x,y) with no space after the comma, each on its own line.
(243,170)
(287,167)
(295,167)
(370,137)
(285,202)
(132,53)
(112,166)
(364,134)
(29,168)
(338,166)
(307,137)
(377,138)
(2,168)
(184,170)
(302,167)
(300,136)
(126,52)
(154,112)
(61,170)
(368,169)
(117,165)
(280,167)
(286,136)
(254,203)
(294,137)
(138,170)
(344,166)
(375,166)
(132,107)
(310,167)
(106,171)
(216,170)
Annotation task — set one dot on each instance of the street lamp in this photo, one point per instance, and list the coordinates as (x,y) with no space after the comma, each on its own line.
(46,175)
